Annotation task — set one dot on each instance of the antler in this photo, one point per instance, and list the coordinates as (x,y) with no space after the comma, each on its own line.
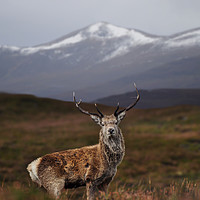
(84,111)
(130,106)
(101,114)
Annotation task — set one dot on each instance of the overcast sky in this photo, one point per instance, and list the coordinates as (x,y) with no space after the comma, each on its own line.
(32,22)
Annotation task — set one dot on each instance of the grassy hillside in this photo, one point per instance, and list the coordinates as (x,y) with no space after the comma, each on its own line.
(162,145)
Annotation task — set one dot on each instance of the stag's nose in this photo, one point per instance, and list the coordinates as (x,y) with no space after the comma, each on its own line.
(111,130)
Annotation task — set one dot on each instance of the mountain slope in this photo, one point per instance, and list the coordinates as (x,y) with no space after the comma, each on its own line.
(159,98)
(100,54)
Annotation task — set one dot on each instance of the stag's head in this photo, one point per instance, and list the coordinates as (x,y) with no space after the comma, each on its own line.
(109,123)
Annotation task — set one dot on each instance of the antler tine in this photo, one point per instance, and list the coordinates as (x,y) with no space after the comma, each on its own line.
(137,99)
(81,109)
(99,110)
(78,103)
(116,109)
(131,105)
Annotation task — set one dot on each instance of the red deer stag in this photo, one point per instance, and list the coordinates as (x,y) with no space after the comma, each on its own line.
(90,166)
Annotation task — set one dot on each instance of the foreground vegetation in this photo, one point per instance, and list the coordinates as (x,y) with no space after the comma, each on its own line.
(185,190)
(162,147)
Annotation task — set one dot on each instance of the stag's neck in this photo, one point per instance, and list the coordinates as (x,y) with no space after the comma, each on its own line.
(113,158)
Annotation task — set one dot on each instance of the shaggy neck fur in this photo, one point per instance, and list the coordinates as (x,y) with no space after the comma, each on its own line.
(112,148)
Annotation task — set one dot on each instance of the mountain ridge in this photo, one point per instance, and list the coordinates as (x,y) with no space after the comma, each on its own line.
(101,24)
(157,98)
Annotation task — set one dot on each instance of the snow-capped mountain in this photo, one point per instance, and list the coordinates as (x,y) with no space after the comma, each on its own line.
(98,57)
(123,40)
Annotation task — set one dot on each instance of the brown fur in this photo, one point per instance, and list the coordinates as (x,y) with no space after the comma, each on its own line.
(90,166)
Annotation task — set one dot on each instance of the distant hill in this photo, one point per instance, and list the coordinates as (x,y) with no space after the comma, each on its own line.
(158,98)
(101,60)
(22,105)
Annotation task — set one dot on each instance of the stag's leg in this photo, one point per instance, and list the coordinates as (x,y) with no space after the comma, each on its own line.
(104,186)
(55,189)
(90,190)
(54,186)
(51,182)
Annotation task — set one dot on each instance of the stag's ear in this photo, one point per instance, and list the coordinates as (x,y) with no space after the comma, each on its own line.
(121,116)
(96,119)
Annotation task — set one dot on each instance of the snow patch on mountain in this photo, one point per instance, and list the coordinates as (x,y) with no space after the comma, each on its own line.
(68,41)
(186,39)
(105,30)
(9,48)
(108,31)
(129,38)
(119,51)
